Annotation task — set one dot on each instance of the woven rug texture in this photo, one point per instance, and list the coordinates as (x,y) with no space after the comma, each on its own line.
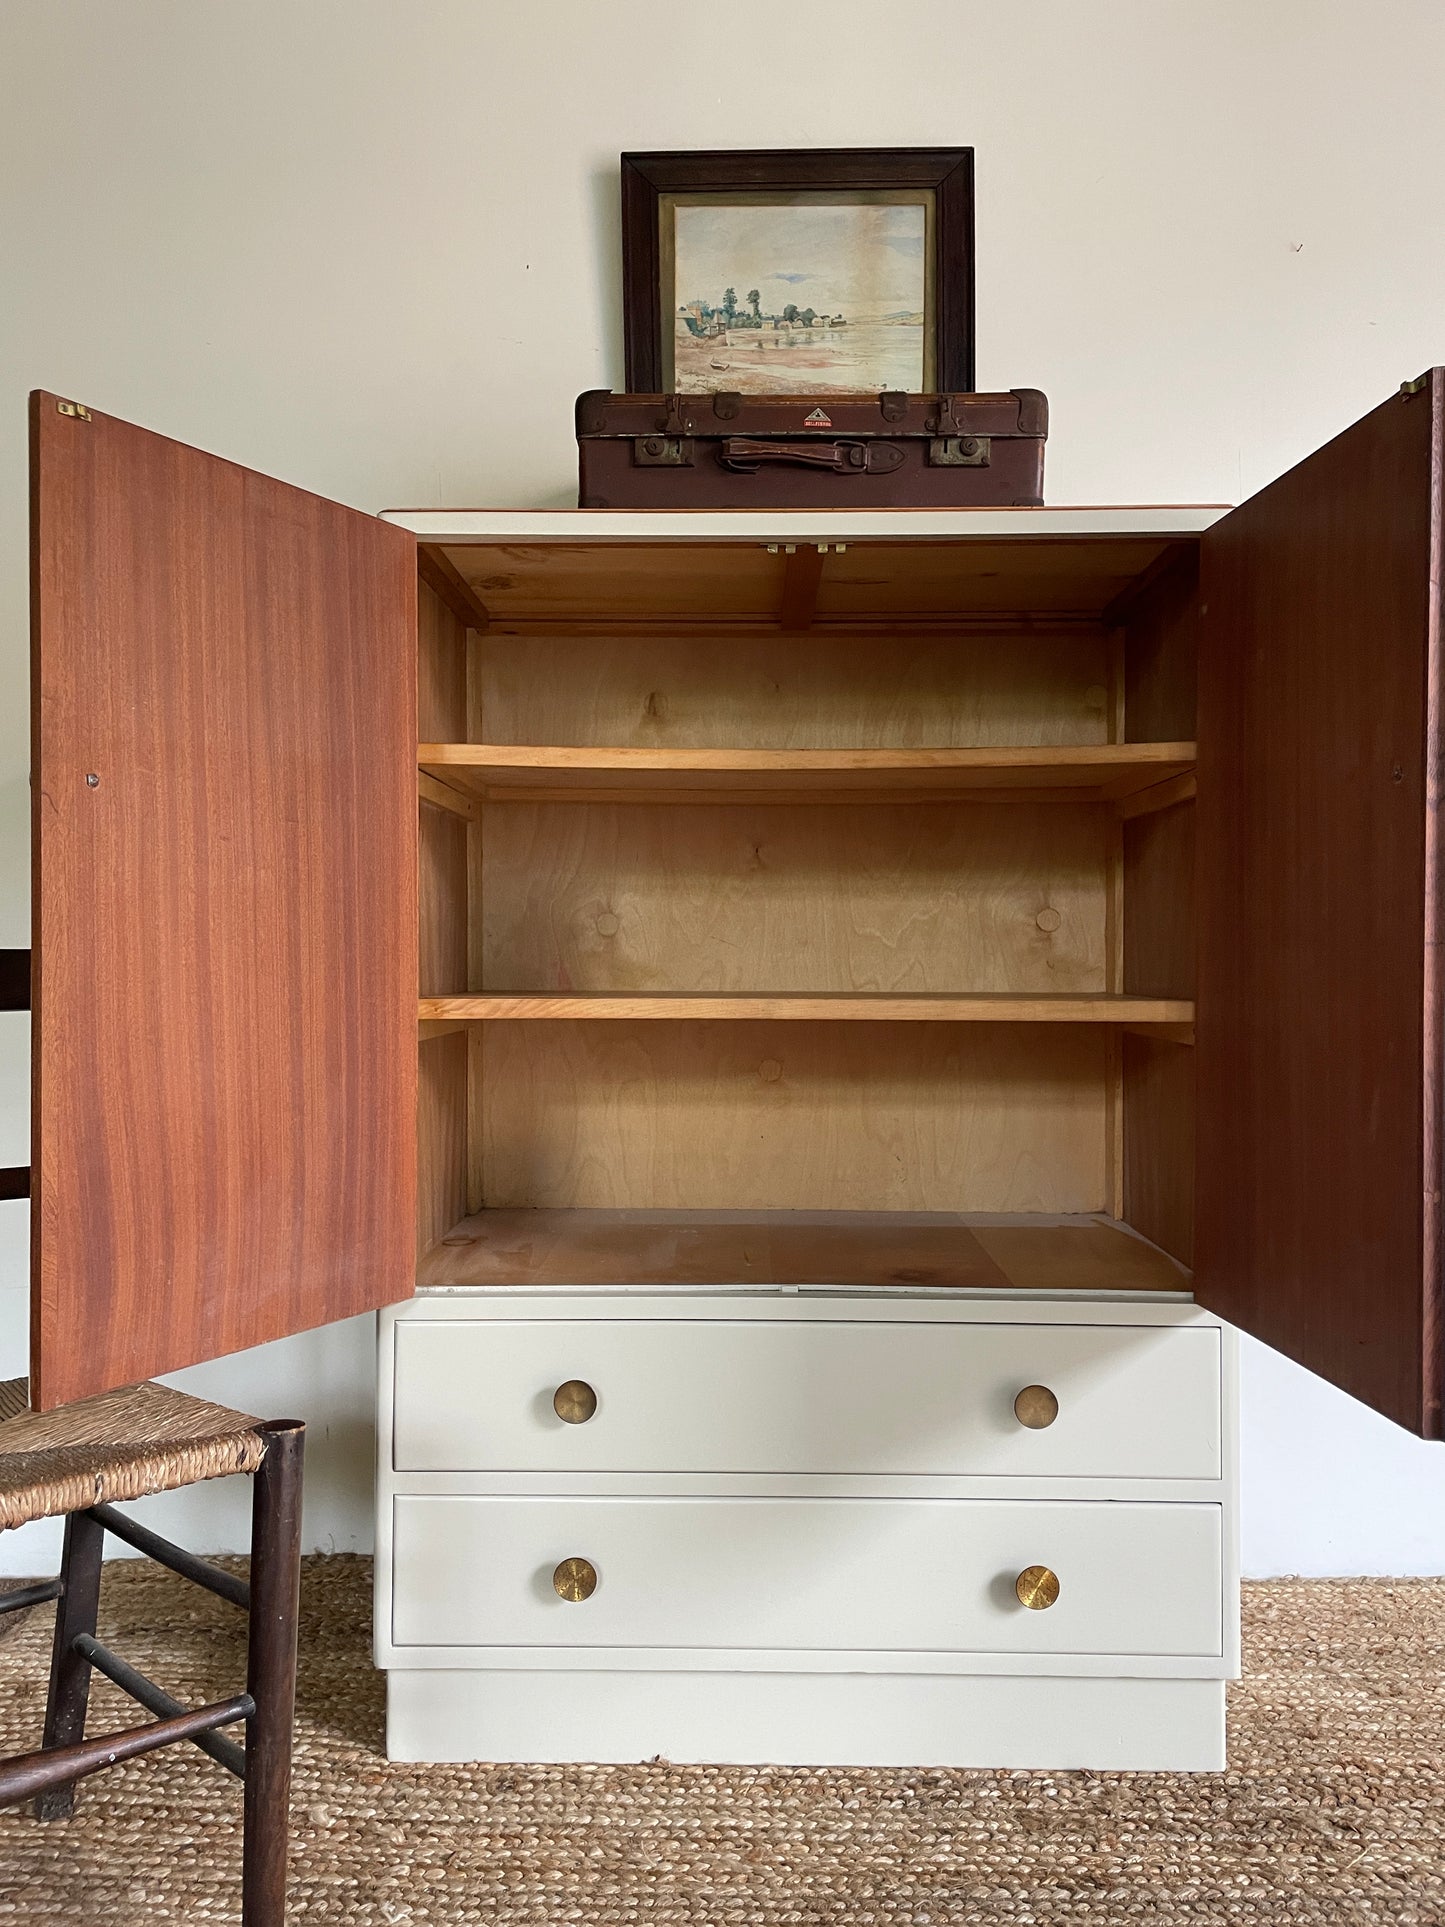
(1332,1811)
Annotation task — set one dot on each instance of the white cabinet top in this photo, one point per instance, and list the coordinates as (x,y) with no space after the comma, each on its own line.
(796,525)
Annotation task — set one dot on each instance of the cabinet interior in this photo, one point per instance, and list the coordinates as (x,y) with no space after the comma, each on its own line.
(812,917)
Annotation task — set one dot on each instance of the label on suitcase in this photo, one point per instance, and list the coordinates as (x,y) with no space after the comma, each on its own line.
(811,451)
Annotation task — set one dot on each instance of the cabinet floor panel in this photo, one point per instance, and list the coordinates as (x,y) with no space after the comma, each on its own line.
(823,1248)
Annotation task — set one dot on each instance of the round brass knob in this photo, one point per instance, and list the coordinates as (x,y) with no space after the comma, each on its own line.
(1036,1587)
(575,1580)
(575,1402)
(1036,1407)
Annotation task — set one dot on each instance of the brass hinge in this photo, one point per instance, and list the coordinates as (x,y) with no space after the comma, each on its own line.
(1414,387)
(76,408)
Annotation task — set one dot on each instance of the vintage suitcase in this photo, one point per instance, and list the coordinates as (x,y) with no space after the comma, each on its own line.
(729,451)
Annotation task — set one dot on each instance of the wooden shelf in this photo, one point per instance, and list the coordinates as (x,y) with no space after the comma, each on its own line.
(827,1248)
(1094,773)
(994,1007)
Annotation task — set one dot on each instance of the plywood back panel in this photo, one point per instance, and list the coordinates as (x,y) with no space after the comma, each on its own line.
(441,1137)
(974,896)
(910,1117)
(824,691)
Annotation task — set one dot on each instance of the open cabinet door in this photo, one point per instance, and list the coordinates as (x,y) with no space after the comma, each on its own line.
(223,785)
(1319,998)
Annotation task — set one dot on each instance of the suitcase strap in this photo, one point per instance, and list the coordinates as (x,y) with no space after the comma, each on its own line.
(842,458)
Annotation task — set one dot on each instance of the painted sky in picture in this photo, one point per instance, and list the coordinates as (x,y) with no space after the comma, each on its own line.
(826,297)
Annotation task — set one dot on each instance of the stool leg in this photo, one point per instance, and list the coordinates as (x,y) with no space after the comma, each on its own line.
(75,1612)
(271,1673)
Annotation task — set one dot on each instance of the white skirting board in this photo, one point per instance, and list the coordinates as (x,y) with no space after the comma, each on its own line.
(802,1719)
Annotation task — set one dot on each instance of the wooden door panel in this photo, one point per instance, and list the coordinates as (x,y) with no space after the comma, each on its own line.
(223,694)
(1319,1032)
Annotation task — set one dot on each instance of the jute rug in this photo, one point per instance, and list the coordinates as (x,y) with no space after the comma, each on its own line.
(1333,1809)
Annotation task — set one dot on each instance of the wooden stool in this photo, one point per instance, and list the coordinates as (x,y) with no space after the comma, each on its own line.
(77,1461)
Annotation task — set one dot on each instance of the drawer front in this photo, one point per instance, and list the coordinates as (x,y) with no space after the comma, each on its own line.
(933,1575)
(807,1397)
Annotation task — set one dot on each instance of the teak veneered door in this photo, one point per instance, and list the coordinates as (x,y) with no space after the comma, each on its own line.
(224,723)
(1319,865)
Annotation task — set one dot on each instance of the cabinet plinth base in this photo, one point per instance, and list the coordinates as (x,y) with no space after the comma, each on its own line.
(799,1719)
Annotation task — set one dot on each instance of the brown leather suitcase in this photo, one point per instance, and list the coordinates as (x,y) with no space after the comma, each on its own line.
(730,451)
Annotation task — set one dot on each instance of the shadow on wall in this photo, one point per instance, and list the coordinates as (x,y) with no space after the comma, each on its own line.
(327,1377)
(1328,1488)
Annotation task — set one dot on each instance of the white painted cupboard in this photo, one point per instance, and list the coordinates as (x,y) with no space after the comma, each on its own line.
(814,1553)
(804,1366)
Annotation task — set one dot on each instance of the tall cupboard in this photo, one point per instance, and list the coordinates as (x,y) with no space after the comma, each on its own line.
(818,1026)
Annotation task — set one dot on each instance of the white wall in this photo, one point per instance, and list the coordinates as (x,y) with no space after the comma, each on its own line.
(372,247)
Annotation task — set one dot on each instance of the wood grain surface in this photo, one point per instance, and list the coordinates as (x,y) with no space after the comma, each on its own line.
(798,1116)
(1159,1141)
(976,897)
(1319,1058)
(840,1248)
(527,585)
(1088,773)
(442,1126)
(1093,1256)
(441,668)
(1159,933)
(1161,649)
(224,704)
(903,690)
(806,1006)
(442,899)
(708,1248)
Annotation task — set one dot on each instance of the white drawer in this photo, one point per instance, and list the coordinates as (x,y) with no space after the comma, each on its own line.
(851,1575)
(812,1396)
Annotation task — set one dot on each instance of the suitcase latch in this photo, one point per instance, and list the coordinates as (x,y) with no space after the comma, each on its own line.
(662,451)
(677,417)
(958,451)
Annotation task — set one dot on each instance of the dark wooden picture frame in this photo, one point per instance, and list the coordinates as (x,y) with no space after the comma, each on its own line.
(947,172)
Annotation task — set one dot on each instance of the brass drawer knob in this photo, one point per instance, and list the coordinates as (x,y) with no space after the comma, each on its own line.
(575,1402)
(1036,1407)
(1036,1587)
(575,1580)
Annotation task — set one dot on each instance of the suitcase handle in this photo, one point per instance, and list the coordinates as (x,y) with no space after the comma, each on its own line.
(843,458)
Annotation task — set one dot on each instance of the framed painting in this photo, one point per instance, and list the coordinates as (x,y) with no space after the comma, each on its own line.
(829,271)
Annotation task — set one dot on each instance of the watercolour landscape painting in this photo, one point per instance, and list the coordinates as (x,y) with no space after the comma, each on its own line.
(799,294)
